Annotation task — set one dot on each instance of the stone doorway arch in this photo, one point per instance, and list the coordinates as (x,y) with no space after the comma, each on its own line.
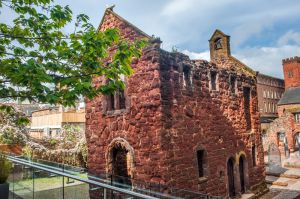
(120,162)
(243,171)
(230,176)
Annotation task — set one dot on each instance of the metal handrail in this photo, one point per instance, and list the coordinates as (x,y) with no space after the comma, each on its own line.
(104,183)
(105,186)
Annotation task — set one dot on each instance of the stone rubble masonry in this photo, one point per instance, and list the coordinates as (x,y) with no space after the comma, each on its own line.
(291,69)
(169,117)
(286,122)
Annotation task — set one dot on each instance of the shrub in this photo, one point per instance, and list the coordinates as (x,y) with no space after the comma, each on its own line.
(52,142)
(5,168)
(27,151)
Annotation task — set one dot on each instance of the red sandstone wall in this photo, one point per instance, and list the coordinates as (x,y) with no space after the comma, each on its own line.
(285,123)
(139,124)
(210,120)
(165,124)
(291,65)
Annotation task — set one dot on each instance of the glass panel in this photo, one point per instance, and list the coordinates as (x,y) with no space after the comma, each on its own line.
(47,185)
(21,182)
(75,189)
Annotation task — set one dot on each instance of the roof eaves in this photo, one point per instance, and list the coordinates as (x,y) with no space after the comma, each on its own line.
(110,10)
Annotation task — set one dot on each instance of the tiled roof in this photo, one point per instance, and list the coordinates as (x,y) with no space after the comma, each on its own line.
(290,96)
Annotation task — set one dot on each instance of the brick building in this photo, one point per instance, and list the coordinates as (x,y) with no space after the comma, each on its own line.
(286,129)
(269,92)
(184,123)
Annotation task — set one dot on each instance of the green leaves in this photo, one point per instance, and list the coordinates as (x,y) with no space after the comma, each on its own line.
(41,62)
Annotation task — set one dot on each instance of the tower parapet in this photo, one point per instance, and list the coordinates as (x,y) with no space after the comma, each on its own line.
(291,69)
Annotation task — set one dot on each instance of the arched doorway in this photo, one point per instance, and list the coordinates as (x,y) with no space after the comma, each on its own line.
(120,166)
(230,176)
(243,171)
(120,162)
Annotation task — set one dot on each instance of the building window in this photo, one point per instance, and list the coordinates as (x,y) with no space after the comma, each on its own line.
(246,94)
(201,163)
(218,43)
(253,152)
(232,84)
(111,102)
(116,100)
(265,94)
(297,117)
(290,74)
(187,78)
(122,102)
(265,107)
(272,95)
(213,80)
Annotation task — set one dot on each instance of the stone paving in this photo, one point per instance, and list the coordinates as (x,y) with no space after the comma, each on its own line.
(285,181)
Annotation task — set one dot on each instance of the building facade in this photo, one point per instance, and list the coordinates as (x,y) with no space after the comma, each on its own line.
(183,123)
(269,92)
(49,122)
(285,131)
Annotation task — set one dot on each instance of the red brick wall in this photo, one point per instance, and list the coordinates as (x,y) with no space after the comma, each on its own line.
(165,122)
(292,66)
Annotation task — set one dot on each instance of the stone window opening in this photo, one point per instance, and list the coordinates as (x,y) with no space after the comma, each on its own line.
(187,78)
(233,84)
(247,112)
(201,161)
(218,43)
(253,152)
(111,102)
(115,100)
(213,80)
(265,107)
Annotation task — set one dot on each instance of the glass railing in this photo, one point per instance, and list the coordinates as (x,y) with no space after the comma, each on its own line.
(39,179)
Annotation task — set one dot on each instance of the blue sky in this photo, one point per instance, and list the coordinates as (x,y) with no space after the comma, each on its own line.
(263,32)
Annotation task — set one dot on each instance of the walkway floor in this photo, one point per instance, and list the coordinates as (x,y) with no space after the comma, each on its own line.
(284,181)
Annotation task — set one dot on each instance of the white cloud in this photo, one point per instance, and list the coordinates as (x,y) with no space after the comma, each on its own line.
(290,37)
(193,55)
(267,60)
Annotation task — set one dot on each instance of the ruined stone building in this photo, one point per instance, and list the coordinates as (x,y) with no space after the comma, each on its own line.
(285,131)
(183,123)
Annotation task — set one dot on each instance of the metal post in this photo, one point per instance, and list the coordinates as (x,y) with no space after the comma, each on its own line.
(63,181)
(33,182)
(14,170)
(104,194)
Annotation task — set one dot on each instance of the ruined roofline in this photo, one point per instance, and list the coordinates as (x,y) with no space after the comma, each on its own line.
(269,76)
(291,60)
(110,10)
